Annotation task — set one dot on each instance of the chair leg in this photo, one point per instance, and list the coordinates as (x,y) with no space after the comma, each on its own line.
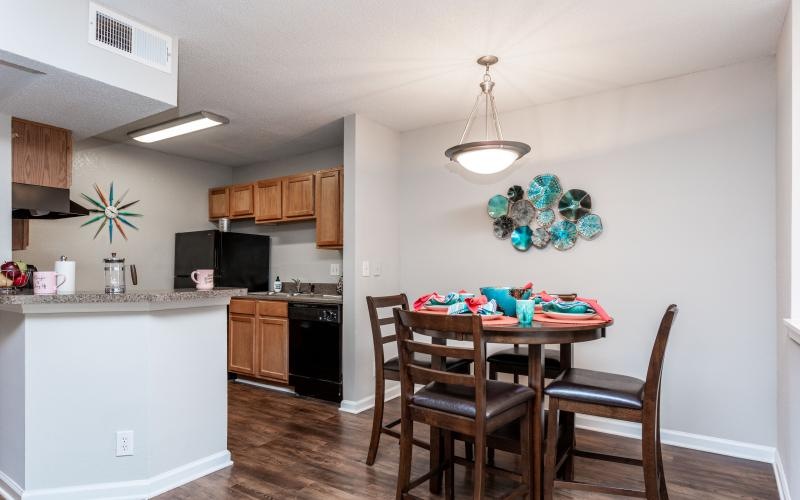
(449,482)
(479,481)
(406,444)
(492,371)
(551,451)
(435,483)
(662,489)
(567,420)
(650,459)
(525,447)
(490,456)
(377,421)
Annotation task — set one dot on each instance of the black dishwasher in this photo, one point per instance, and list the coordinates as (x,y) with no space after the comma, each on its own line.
(315,350)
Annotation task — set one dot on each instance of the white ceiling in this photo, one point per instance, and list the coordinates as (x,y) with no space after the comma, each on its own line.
(285,72)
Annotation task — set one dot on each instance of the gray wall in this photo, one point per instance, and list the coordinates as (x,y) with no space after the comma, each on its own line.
(294,252)
(5,187)
(174,198)
(682,173)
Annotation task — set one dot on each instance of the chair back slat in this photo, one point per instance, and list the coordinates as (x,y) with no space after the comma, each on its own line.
(378,337)
(440,350)
(438,326)
(386,321)
(656,365)
(423,375)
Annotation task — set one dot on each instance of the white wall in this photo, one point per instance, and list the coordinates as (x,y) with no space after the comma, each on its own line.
(788,352)
(174,198)
(56,33)
(682,173)
(293,246)
(5,187)
(372,214)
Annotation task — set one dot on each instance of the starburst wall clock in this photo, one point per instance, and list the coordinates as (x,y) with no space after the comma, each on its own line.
(111,213)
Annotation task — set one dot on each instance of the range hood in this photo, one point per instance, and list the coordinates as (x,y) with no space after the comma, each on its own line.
(29,201)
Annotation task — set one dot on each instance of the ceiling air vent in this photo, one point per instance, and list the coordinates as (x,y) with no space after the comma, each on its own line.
(126,37)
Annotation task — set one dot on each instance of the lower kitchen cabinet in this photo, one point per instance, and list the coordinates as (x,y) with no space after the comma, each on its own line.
(258,339)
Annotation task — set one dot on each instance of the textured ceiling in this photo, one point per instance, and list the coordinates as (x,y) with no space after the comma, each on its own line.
(285,72)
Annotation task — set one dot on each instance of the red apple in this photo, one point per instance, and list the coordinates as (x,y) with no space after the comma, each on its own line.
(21,280)
(10,270)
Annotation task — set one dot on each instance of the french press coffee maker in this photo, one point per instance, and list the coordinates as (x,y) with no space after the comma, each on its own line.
(115,274)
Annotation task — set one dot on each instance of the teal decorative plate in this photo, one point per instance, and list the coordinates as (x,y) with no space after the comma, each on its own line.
(522,212)
(575,204)
(503,226)
(546,217)
(540,237)
(521,238)
(563,234)
(589,226)
(515,193)
(497,206)
(544,190)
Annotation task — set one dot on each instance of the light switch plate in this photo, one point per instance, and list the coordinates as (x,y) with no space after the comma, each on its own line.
(365,268)
(334,269)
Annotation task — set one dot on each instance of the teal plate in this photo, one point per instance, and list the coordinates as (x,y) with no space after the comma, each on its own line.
(563,234)
(521,238)
(589,226)
(544,190)
(545,218)
(575,204)
(497,206)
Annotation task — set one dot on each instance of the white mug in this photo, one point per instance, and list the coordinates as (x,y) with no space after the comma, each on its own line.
(204,279)
(47,282)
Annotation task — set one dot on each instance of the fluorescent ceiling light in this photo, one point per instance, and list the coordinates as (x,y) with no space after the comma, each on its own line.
(179,126)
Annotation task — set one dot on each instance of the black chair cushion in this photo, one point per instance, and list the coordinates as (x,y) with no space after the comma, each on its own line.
(517,357)
(601,388)
(460,400)
(424,360)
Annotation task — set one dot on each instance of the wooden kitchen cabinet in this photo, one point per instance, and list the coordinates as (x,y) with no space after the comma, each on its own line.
(258,339)
(329,200)
(19,234)
(241,201)
(218,206)
(269,200)
(242,344)
(41,154)
(298,196)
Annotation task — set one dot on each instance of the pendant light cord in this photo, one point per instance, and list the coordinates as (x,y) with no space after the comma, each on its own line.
(490,109)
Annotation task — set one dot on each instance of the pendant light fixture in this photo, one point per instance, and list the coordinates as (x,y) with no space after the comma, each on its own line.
(486,156)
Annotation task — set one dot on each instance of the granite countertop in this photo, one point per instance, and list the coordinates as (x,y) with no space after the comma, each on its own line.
(308,298)
(137,296)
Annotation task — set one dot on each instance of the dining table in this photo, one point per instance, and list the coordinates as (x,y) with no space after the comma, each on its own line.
(535,335)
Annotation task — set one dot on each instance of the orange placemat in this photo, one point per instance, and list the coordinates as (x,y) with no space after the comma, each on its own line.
(540,317)
(502,321)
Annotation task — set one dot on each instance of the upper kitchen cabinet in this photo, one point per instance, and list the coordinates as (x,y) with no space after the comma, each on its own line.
(241,201)
(298,196)
(269,200)
(329,200)
(41,154)
(218,203)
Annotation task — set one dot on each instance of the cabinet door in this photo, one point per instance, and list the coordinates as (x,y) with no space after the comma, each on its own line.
(329,208)
(269,202)
(298,196)
(273,348)
(242,344)
(41,154)
(218,203)
(19,234)
(241,199)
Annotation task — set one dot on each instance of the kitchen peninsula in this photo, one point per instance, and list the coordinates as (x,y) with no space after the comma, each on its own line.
(136,382)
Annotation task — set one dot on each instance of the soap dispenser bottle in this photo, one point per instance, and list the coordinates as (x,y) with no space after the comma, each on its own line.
(277,286)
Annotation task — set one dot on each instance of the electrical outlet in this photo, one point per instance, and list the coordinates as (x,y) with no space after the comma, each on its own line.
(376,269)
(365,268)
(124,443)
(334,269)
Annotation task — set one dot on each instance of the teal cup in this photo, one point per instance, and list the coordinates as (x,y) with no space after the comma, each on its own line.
(525,311)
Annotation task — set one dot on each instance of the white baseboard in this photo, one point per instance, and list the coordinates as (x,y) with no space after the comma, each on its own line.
(348,406)
(125,490)
(682,439)
(780,477)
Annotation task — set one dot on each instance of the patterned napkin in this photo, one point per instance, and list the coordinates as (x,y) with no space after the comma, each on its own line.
(434,299)
(474,305)
(574,307)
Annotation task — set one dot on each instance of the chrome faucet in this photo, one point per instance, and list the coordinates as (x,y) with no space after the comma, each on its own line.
(297,283)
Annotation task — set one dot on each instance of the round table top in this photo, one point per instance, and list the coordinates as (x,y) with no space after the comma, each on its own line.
(544,333)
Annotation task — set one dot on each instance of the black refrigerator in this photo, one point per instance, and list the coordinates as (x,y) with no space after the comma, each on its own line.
(238,259)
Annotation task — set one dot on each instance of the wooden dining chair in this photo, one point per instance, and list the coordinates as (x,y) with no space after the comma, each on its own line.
(514,361)
(618,397)
(454,403)
(390,369)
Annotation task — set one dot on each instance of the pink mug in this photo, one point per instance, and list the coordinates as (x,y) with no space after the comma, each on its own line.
(47,282)
(204,278)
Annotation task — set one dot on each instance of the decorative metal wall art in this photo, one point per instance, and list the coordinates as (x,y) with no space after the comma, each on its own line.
(111,212)
(542,203)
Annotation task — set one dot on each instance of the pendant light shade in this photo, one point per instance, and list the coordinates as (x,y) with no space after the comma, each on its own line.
(487,156)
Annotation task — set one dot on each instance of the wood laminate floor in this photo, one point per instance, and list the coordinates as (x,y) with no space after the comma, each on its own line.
(285,447)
